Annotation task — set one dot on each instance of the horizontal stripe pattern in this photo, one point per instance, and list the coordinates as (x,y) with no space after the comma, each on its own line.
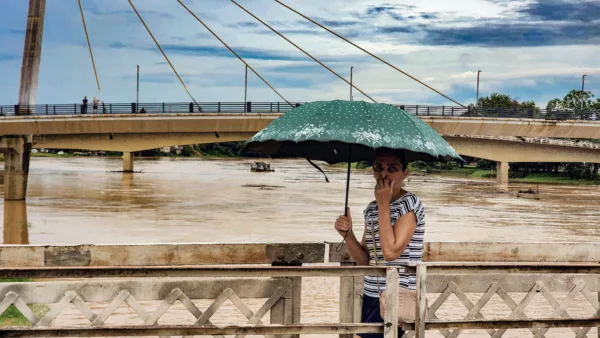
(413,252)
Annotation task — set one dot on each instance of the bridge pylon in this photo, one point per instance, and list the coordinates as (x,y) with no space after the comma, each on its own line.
(17,148)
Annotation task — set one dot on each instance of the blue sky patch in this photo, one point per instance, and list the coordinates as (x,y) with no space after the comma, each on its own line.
(533,50)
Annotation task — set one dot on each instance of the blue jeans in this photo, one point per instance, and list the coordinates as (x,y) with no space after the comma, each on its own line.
(371,314)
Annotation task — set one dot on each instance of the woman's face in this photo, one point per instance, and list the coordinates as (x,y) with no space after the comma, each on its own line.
(389,167)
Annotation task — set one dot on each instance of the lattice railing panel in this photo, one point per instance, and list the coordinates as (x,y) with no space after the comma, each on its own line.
(538,302)
(124,299)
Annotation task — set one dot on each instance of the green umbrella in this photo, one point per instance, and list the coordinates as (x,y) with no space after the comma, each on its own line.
(349,131)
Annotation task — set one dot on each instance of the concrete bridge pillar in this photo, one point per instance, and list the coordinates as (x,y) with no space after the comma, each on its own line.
(15,222)
(127,162)
(17,152)
(502,175)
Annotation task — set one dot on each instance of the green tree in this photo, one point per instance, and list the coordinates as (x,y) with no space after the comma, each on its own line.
(187,151)
(229,149)
(503,104)
(578,101)
(496,100)
(588,171)
(595,105)
(575,103)
(555,104)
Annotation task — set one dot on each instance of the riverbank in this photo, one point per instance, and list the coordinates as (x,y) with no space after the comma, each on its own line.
(45,155)
(541,178)
(479,173)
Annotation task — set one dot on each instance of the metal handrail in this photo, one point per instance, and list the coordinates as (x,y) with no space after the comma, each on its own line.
(282,107)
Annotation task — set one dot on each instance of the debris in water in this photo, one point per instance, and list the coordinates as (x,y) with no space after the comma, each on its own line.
(262,186)
(261,167)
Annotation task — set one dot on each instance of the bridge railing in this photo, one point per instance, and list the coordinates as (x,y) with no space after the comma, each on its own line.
(481,286)
(282,107)
(151,108)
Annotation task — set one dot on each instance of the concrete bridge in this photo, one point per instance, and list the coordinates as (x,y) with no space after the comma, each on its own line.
(488,138)
(232,122)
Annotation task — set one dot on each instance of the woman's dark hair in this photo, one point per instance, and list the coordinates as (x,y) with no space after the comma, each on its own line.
(399,153)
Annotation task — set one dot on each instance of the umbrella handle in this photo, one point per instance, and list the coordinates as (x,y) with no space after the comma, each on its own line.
(339,248)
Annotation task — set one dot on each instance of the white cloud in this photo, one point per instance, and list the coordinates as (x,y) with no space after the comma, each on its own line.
(67,75)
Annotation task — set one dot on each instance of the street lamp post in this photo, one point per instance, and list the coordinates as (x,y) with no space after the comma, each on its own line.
(477,98)
(582,91)
(137,92)
(246,87)
(351,82)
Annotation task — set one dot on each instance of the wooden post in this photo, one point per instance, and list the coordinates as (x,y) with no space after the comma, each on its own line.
(390,320)
(346,300)
(296,303)
(358,292)
(282,312)
(421,309)
(277,311)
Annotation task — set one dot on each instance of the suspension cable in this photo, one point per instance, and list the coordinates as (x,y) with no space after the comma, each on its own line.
(302,50)
(371,54)
(91,55)
(231,50)
(165,55)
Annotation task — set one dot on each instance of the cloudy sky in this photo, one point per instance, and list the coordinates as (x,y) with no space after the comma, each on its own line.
(530,49)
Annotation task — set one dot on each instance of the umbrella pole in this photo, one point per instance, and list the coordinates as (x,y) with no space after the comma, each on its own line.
(348,182)
(347,194)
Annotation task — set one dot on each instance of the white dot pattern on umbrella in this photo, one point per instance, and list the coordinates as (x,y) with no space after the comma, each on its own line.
(356,122)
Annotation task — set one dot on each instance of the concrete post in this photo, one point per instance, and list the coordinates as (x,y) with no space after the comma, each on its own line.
(17,151)
(127,162)
(15,222)
(502,175)
(16,167)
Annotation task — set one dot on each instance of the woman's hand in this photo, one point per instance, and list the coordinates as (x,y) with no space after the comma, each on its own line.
(343,224)
(384,190)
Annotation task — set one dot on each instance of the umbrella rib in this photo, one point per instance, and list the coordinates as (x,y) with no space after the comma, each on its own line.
(302,50)
(371,54)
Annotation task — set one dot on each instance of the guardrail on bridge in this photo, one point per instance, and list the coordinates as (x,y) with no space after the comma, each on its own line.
(282,107)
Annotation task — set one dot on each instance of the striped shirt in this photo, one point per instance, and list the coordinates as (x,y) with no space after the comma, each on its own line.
(413,252)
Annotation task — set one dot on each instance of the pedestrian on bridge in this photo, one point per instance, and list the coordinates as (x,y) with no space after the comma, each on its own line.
(84,105)
(94,105)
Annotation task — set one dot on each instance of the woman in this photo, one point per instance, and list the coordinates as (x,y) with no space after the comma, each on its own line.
(396,219)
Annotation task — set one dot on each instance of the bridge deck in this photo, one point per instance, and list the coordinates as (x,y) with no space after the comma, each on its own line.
(253,122)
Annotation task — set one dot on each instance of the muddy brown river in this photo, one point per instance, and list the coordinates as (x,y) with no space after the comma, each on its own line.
(176,200)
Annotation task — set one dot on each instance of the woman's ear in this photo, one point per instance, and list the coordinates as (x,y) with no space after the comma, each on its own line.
(405,173)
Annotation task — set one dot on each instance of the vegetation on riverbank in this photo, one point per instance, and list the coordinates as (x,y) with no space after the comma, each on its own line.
(12,316)
(542,178)
(38,154)
(483,170)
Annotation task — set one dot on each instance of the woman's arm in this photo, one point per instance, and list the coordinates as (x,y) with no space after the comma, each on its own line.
(357,250)
(394,239)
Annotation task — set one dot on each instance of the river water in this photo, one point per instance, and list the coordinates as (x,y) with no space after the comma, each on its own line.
(177,200)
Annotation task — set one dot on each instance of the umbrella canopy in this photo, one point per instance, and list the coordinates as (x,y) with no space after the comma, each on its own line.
(349,131)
